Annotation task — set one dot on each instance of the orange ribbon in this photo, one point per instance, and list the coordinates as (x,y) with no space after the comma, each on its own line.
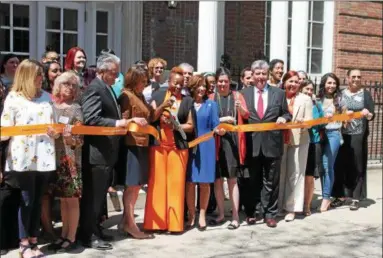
(132,127)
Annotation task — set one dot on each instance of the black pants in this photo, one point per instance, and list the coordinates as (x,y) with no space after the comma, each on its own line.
(351,168)
(9,208)
(96,181)
(33,185)
(261,189)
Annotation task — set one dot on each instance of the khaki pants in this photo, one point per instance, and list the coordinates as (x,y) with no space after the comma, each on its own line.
(292,178)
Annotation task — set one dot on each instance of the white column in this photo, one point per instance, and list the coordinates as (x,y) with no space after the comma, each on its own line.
(210,35)
(131,46)
(328,36)
(90,32)
(299,31)
(278,30)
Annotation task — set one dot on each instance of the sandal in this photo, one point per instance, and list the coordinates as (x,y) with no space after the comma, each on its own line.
(35,248)
(233,225)
(307,212)
(216,223)
(25,248)
(71,246)
(56,245)
(251,221)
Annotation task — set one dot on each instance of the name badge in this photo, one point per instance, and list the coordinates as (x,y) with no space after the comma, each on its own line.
(64,120)
(358,98)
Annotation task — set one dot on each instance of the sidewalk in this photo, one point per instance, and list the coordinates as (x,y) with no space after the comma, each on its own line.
(337,233)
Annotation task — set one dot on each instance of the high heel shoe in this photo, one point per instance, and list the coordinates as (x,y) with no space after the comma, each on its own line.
(25,248)
(325,206)
(71,246)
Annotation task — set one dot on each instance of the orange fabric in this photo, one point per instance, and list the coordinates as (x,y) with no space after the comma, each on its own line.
(164,209)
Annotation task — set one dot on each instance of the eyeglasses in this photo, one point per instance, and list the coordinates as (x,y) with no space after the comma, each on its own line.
(68,84)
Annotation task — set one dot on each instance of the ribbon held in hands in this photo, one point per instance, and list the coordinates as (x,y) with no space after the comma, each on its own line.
(148,129)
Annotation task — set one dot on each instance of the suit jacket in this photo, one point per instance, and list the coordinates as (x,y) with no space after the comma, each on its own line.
(269,143)
(302,109)
(100,109)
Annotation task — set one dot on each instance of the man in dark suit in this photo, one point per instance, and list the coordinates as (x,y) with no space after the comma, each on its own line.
(266,104)
(100,108)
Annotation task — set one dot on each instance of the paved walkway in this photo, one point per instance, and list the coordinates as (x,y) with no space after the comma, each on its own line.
(337,233)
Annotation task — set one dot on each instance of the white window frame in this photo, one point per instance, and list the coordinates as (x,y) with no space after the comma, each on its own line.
(105,7)
(309,43)
(80,7)
(267,44)
(32,28)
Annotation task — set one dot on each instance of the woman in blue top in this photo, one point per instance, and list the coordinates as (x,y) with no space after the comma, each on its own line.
(203,157)
(314,158)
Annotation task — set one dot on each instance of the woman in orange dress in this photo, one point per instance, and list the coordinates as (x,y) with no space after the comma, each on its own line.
(165,201)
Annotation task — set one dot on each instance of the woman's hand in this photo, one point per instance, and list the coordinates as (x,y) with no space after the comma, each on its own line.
(349,112)
(168,103)
(140,121)
(52,133)
(220,131)
(328,115)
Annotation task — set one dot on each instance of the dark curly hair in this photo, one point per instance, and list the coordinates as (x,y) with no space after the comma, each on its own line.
(337,94)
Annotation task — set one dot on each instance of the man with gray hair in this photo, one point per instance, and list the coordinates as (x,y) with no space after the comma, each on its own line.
(99,156)
(266,104)
(188,73)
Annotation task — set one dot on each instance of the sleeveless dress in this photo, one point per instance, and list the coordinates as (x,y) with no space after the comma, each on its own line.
(228,156)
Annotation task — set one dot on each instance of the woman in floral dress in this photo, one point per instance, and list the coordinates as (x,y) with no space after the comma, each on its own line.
(68,184)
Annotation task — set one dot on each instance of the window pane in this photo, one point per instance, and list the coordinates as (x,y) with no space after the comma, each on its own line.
(318,10)
(21,16)
(316,61)
(102,22)
(308,61)
(288,58)
(309,35)
(268,7)
(4,14)
(70,40)
(53,40)
(290,13)
(52,18)
(70,20)
(317,39)
(289,32)
(101,43)
(5,42)
(268,21)
(310,3)
(21,41)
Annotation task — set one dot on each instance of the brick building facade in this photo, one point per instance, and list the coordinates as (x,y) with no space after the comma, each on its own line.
(358,39)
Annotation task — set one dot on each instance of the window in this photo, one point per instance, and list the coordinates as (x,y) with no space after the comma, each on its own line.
(61,28)
(315,37)
(14,30)
(289,20)
(267,30)
(101,31)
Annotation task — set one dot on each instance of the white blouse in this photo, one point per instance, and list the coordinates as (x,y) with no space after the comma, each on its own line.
(29,152)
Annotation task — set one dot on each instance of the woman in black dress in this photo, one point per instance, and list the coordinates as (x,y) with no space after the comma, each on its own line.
(232,110)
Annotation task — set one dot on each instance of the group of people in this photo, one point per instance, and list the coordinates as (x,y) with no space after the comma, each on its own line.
(269,173)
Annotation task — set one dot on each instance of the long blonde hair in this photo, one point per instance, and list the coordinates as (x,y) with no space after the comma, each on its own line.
(25,77)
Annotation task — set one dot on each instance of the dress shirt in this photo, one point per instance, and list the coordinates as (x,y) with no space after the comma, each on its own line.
(264,97)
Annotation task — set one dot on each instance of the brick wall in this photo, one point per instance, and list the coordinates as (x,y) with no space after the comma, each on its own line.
(358,43)
(171,34)
(244,31)
(358,38)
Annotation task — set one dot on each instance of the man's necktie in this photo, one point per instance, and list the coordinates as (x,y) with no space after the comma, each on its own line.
(260,104)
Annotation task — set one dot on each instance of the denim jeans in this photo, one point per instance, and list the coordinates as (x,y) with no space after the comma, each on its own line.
(330,151)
